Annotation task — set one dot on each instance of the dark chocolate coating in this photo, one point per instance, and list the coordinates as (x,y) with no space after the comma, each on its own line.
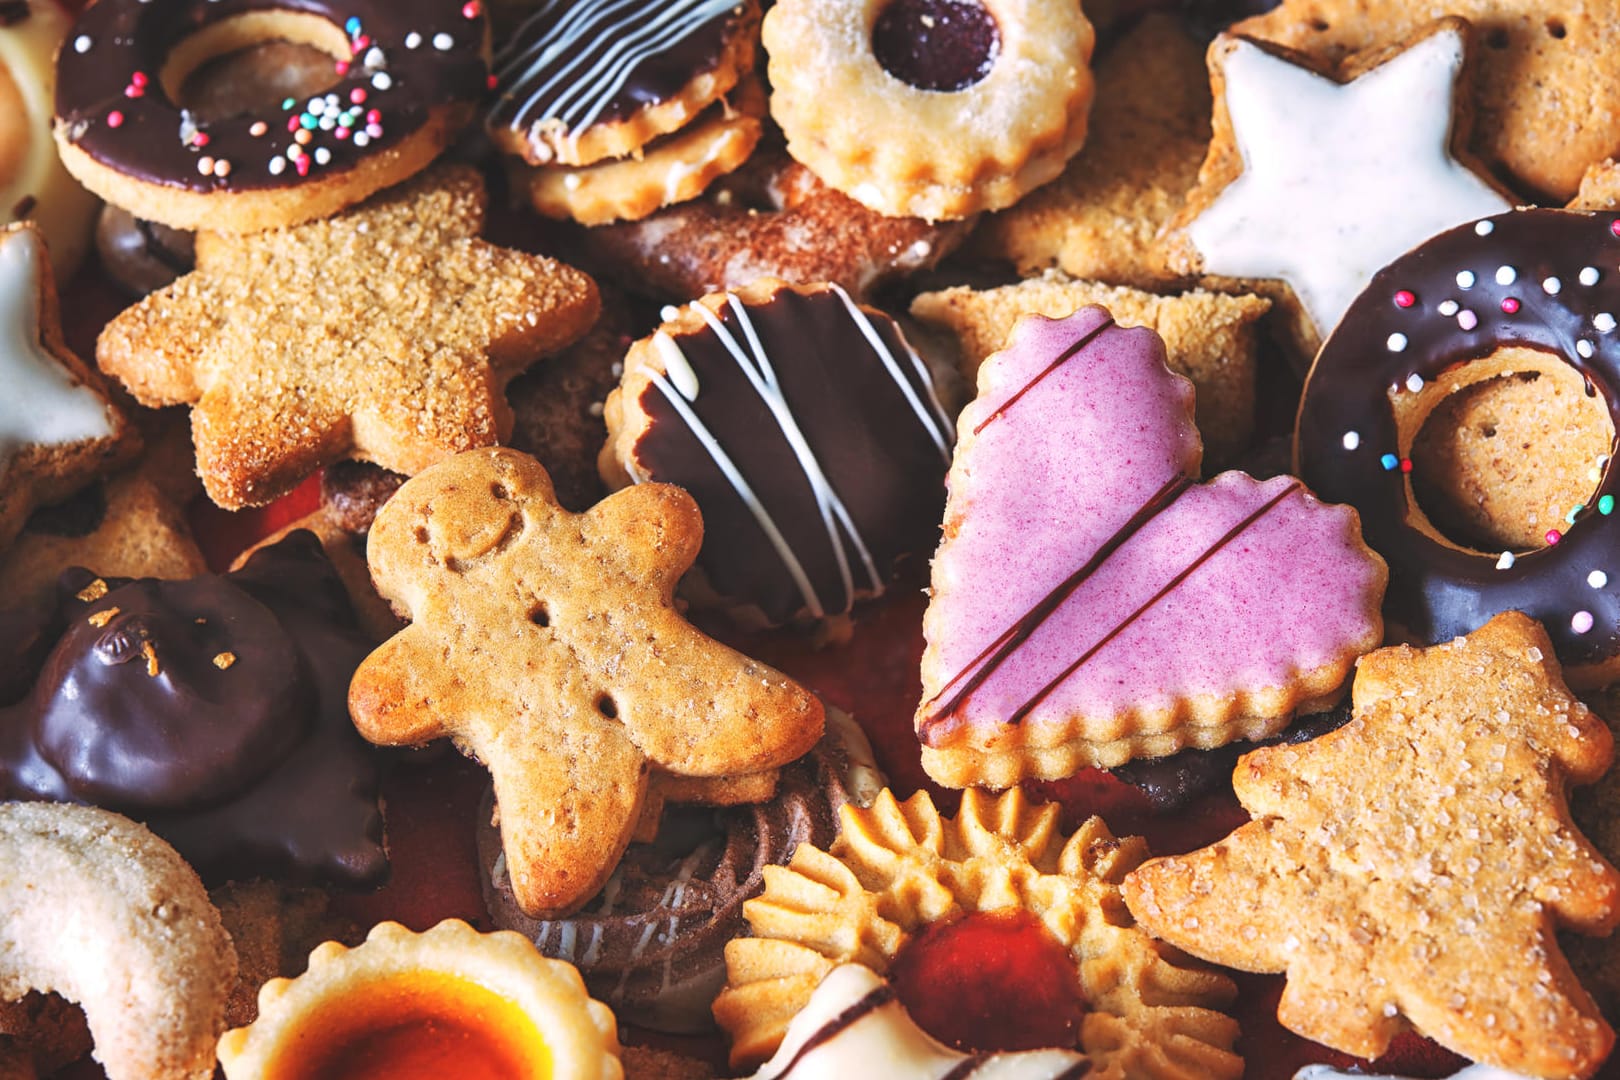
(153,139)
(216,711)
(879,457)
(1436,591)
(142,256)
(944,45)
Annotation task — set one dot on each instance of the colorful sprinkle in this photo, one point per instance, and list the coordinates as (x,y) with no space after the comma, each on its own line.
(352,26)
(1448,308)
(342,67)
(1582,622)
(323,156)
(1506,275)
(115,119)
(302,138)
(1552,286)
(1574,513)
(1603,322)
(1467,320)
(471,9)
(413,40)
(1510,305)
(258,129)
(1485,228)
(205,165)
(1396,342)
(1614,227)
(1553,536)
(1466,279)
(382,80)
(1404,298)
(357,96)
(1597,579)
(1606,505)
(1352,440)
(287,104)
(1506,561)
(302,165)
(222,168)
(278,166)
(443,42)
(1589,275)
(1390,462)
(1414,382)
(82,43)
(1585,349)
(1406,465)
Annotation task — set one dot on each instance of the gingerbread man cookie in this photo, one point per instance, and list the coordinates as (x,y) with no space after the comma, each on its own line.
(57,428)
(1302,165)
(547,645)
(343,324)
(1427,898)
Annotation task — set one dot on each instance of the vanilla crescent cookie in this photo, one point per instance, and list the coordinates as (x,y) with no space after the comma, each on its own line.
(899,869)
(34,185)
(931,108)
(450,1001)
(96,908)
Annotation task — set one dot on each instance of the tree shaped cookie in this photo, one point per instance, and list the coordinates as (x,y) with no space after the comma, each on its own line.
(546,644)
(385,333)
(1411,867)
(57,428)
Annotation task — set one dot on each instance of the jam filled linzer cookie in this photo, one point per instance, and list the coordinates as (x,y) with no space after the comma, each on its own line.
(1546,90)
(651,943)
(33,184)
(581,81)
(931,108)
(1291,203)
(344,325)
(1430,897)
(547,645)
(1544,280)
(447,1002)
(214,710)
(57,428)
(905,893)
(1112,607)
(808,432)
(99,910)
(408,75)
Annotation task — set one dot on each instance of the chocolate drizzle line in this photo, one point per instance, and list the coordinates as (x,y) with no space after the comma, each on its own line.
(1009,641)
(1064,357)
(873,1001)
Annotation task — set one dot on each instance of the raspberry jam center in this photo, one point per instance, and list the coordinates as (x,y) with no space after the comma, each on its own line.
(991,982)
(936,44)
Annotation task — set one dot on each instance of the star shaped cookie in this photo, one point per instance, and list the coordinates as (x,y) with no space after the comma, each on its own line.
(1411,867)
(385,333)
(1318,183)
(57,428)
(546,644)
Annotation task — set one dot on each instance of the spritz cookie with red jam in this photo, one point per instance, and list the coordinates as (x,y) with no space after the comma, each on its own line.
(1118,608)
(407,76)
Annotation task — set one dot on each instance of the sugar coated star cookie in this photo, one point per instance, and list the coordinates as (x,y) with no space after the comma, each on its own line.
(1092,602)
(909,894)
(547,645)
(1288,195)
(344,324)
(1430,897)
(57,428)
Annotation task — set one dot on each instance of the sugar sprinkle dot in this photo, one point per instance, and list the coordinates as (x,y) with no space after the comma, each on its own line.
(1597,579)
(1448,308)
(1467,320)
(1589,275)
(1484,228)
(1603,322)
(1352,440)
(1396,342)
(1506,275)
(1506,561)
(1552,286)
(1582,622)
(1466,279)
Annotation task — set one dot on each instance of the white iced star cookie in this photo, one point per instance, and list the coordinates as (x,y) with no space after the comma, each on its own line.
(1313,183)
(1473,1072)
(57,428)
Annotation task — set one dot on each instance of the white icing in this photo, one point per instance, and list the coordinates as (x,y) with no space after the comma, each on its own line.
(886,1042)
(41,403)
(1473,1072)
(939,426)
(675,366)
(576,94)
(1339,179)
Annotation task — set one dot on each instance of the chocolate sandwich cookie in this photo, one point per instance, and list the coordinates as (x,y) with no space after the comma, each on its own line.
(215,710)
(651,943)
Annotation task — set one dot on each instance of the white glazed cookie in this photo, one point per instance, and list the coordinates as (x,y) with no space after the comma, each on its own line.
(1302,165)
(34,186)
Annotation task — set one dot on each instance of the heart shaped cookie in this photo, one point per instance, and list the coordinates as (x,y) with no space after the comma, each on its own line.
(1093,603)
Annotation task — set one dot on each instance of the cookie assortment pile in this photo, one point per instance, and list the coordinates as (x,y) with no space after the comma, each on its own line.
(602,538)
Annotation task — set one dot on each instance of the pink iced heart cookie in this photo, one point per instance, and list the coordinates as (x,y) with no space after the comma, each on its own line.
(1092,603)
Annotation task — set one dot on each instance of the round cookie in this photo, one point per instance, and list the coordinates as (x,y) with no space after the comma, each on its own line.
(34,186)
(931,108)
(583,81)
(98,909)
(899,874)
(770,218)
(808,432)
(1540,279)
(408,75)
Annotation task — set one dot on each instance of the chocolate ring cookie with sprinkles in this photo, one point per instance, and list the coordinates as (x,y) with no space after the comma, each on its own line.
(808,432)
(582,81)
(1522,291)
(408,76)
(931,108)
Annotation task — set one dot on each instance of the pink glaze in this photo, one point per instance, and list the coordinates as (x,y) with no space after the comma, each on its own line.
(1060,465)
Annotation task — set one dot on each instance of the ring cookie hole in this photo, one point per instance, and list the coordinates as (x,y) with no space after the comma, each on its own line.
(1505,456)
(252,61)
(943,45)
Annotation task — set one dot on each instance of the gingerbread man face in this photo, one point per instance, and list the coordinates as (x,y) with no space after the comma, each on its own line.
(546,644)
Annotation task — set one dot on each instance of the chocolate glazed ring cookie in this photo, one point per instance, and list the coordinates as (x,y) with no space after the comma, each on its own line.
(1542,280)
(408,75)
